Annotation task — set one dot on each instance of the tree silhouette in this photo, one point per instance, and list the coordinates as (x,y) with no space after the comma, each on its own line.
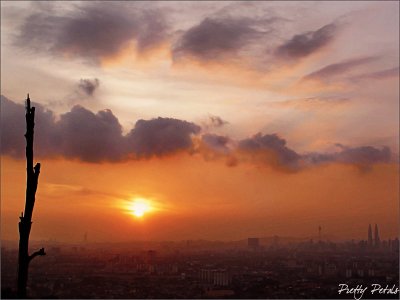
(25,224)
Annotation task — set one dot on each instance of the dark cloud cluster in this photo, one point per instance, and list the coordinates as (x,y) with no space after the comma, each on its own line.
(302,45)
(279,155)
(81,134)
(339,68)
(363,157)
(88,86)
(86,136)
(12,128)
(275,148)
(214,38)
(93,32)
(226,37)
(161,136)
(90,137)
(12,124)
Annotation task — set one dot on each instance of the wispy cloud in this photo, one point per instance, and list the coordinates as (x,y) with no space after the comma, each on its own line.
(60,190)
(312,103)
(378,75)
(339,68)
(307,43)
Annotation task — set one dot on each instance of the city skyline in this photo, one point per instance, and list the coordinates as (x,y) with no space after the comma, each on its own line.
(248,269)
(213,120)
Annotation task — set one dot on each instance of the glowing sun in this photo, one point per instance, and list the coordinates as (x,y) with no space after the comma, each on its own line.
(139,207)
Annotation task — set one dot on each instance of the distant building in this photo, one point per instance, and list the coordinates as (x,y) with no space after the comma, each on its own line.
(150,256)
(370,242)
(319,232)
(253,243)
(395,245)
(216,277)
(377,240)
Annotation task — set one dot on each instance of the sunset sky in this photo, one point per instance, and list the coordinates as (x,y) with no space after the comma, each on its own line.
(202,120)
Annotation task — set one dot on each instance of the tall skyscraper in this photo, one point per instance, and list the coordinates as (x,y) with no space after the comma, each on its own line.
(319,232)
(370,236)
(376,237)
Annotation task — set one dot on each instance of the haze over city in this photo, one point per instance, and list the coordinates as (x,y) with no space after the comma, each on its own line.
(212,120)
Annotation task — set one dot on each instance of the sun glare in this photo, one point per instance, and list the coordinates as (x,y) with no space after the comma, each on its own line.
(139,207)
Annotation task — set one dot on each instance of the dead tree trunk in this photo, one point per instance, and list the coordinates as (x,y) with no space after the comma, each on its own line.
(32,176)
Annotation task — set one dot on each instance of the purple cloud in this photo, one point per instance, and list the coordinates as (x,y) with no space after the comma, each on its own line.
(97,137)
(161,136)
(215,38)
(302,45)
(88,86)
(81,134)
(339,68)
(93,32)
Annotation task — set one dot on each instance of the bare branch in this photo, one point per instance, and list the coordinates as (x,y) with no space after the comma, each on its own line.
(37,253)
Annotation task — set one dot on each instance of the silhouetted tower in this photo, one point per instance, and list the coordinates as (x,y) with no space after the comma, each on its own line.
(376,237)
(319,232)
(25,223)
(370,243)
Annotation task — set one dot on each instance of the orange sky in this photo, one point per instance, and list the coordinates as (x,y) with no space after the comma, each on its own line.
(200,199)
(234,119)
